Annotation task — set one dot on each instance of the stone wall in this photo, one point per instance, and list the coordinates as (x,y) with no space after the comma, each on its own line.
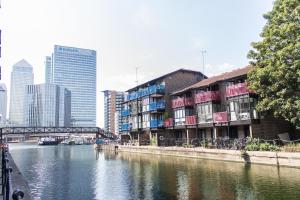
(256,157)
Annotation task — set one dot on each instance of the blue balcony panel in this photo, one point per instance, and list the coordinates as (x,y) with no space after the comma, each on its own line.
(125,127)
(125,113)
(156,123)
(157,105)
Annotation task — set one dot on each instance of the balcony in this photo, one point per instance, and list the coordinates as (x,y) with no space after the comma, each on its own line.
(155,123)
(182,101)
(125,127)
(168,122)
(191,120)
(237,89)
(207,96)
(157,105)
(220,117)
(125,113)
(132,96)
(143,92)
(156,89)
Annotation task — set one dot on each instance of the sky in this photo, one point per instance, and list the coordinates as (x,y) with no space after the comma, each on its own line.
(155,36)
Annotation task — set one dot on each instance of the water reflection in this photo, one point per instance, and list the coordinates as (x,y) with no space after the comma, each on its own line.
(179,178)
(79,172)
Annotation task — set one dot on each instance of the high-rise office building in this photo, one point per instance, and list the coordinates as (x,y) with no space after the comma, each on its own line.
(48,69)
(112,110)
(47,105)
(75,69)
(21,76)
(3,104)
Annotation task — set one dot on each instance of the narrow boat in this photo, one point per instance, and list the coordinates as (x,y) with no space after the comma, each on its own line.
(48,141)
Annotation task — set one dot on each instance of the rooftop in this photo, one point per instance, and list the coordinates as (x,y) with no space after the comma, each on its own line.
(214,79)
(22,63)
(162,77)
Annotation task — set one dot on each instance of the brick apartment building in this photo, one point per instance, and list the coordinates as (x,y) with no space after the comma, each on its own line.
(220,106)
(146,106)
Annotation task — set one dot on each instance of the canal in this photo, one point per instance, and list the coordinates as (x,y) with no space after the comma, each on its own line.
(79,172)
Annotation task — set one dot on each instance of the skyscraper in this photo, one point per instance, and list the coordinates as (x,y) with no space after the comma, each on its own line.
(112,110)
(48,69)
(21,76)
(3,104)
(47,105)
(75,69)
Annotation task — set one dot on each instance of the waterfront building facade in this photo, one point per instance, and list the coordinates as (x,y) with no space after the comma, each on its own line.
(146,106)
(213,108)
(112,108)
(75,69)
(3,104)
(21,76)
(220,107)
(47,105)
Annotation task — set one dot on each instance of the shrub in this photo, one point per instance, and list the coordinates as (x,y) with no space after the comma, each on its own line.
(254,144)
(291,147)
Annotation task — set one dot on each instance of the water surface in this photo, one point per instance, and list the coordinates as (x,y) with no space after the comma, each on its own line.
(79,172)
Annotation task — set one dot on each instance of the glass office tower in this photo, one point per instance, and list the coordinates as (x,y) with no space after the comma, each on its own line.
(48,69)
(75,69)
(47,105)
(21,76)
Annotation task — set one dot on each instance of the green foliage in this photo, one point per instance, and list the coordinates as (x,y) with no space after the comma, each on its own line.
(253,144)
(291,147)
(153,141)
(276,61)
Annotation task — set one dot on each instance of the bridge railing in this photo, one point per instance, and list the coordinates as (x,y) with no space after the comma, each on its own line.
(48,130)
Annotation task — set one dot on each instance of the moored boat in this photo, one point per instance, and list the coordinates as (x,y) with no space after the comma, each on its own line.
(48,141)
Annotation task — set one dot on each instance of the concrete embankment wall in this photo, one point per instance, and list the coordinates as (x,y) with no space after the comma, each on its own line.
(18,181)
(257,157)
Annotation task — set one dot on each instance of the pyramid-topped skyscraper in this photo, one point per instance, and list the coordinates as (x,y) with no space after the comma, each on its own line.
(21,76)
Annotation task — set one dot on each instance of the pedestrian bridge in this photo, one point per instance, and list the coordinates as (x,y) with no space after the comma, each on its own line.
(100,133)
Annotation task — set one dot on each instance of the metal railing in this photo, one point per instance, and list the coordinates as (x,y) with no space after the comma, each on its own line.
(6,179)
(5,173)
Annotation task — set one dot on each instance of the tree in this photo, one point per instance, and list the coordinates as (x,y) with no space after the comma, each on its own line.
(276,61)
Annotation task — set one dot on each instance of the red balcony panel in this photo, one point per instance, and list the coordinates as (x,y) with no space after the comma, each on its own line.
(191,120)
(179,102)
(182,101)
(168,122)
(237,89)
(220,117)
(207,96)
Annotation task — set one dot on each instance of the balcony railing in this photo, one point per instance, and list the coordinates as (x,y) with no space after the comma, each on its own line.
(207,96)
(131,96)
(182,101)
(191,120)
(205,118)
(220,117)
(157,105)
(125,113)
(156,89)
(126,127)
(237,89)
(156,123)
(169,122)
